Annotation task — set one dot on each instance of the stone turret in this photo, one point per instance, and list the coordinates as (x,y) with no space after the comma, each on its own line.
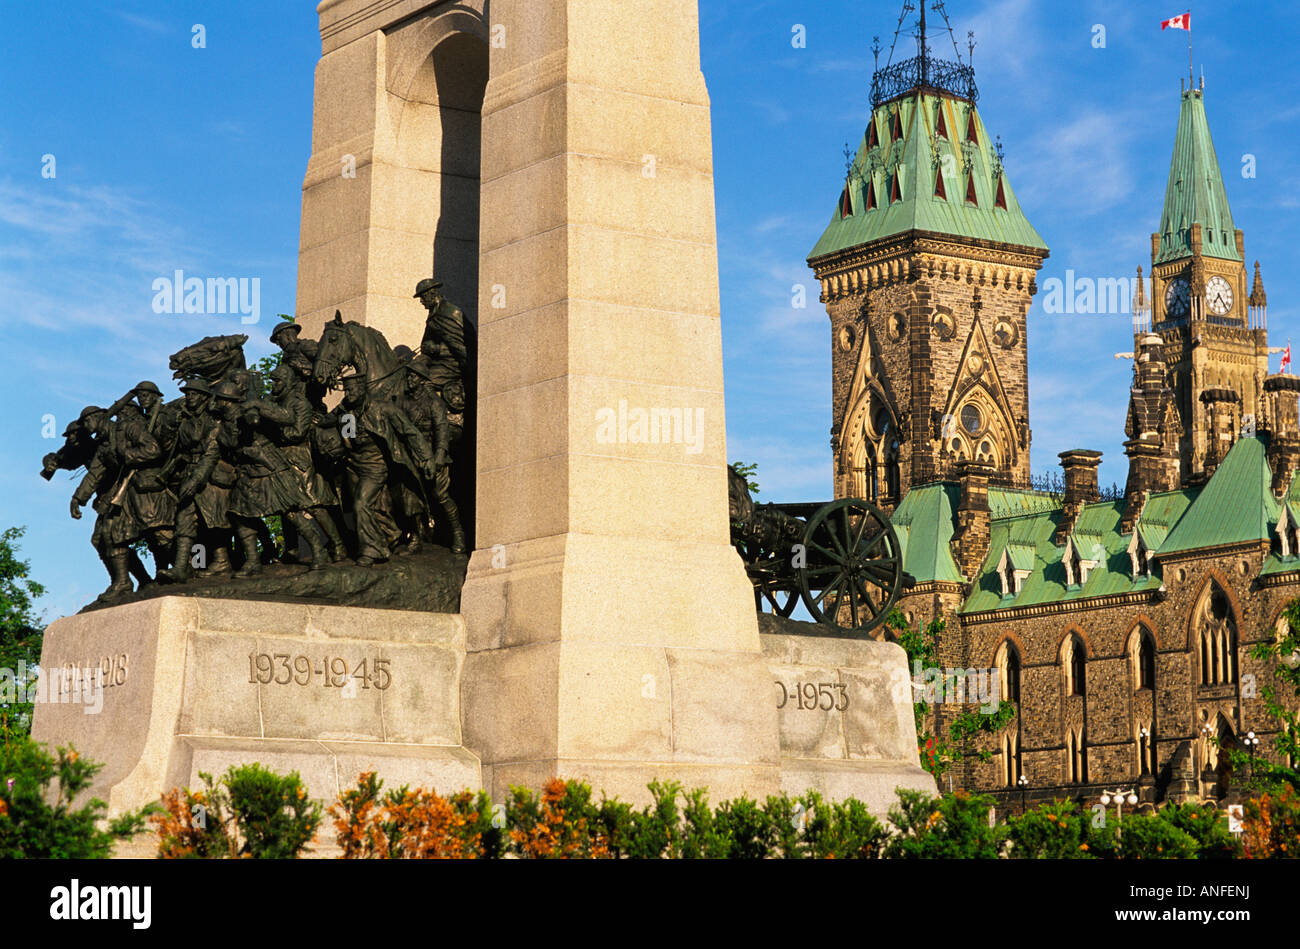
(970,541)
(1080,488)
(1281,392)
(1152,428)
(1221,406)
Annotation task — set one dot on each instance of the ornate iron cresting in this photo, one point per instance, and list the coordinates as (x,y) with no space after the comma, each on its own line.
(923,73)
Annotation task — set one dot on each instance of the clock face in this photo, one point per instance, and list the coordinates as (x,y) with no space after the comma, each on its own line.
(1178,298)
(1218,293)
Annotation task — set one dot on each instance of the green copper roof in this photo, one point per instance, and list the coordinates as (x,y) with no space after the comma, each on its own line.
(1196,194)
(1236,506)
(1096,535)
(924,525)
(905,170)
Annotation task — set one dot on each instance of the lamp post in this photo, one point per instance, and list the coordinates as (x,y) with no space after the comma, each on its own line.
(1144,749)
(1024,783)
(1120,798)
(1251,742)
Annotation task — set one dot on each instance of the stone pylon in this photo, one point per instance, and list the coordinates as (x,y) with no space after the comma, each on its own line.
(612,628)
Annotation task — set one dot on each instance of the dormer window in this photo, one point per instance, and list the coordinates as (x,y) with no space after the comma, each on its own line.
(895,189)
(873,137)
(896,128)
(1011,575)
(1140,556)
(1001,200)
(1288,533)
(871,195)
(940,126)
(971,135)
(939,190)
(970,190)
(1077,567)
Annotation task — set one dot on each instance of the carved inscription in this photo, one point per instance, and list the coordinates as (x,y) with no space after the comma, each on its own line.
(281,668)
(815,696)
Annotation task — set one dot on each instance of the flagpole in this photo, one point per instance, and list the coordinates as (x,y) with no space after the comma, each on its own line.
(1191,67)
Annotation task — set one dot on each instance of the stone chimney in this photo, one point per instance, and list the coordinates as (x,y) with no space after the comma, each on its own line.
(1080,488)
(970,541)
(1152,449)
(1281,392)
(1220,426)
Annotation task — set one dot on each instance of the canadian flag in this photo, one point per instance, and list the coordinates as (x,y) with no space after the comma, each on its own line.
(1286,359)
(1183,22)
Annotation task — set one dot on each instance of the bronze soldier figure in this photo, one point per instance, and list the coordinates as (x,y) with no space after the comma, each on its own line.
(379,438)
(286,419)
(121,449)
(266,483)
(427,409)
(443,347)
(201,480)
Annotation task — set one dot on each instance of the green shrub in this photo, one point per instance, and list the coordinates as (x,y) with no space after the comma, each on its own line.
(1205,824)
(30,826)
(949,828)
(273,813)
(703,838)
(845,830)
(747,828)
(1056,831)
(1142,837)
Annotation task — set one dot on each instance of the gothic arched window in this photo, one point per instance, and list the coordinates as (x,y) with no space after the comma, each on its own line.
(1217,635)
(1074,666)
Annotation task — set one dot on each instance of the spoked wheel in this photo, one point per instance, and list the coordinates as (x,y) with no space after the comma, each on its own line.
(854,570)
(780,601)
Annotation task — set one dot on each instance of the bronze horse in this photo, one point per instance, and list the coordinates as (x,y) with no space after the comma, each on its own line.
(363,348)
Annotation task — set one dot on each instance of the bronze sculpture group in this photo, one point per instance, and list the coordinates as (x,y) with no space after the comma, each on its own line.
(196,479)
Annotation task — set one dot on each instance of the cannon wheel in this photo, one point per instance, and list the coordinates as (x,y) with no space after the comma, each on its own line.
(854,560)
(781,599)
(781,594)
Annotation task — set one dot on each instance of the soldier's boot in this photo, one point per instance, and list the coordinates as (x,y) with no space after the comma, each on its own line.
(136,568)
(119,568)
(457,532)
(247,538)
(311,532)
(220,562)
(181,569)
(322,519)
(291,534)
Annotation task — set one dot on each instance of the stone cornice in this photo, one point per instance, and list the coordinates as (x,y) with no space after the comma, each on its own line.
(923,254)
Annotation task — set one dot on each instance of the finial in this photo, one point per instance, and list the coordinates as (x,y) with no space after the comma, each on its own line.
(970,42)
(1257,295)
(875,51)
(848,159)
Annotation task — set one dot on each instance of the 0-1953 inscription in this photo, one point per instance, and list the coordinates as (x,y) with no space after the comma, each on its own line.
(281,669)
(811,696)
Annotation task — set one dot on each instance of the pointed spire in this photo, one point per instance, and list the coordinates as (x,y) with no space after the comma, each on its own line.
(1257,295)
(1195,193)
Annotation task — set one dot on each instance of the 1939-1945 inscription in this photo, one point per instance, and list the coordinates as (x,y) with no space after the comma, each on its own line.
(333,671)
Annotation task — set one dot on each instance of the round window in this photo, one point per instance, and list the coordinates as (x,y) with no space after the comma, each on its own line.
(971,419)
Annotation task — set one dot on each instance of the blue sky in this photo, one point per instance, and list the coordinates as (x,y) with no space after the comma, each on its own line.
(169,157)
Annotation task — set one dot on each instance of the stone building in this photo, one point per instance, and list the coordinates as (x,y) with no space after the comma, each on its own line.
(1122,627)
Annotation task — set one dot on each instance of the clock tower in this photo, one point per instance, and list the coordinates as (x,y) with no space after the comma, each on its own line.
(1200,306)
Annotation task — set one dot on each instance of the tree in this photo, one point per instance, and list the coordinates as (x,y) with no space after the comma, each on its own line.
(1284,653)
(21,634)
